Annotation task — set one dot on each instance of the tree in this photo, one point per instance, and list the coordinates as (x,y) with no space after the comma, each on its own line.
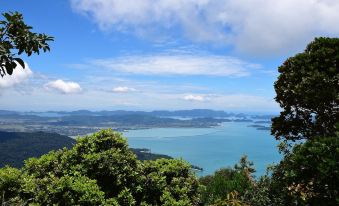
(227,184)
(309,175)
(10,183)
(100,169)
(16,38)
(307,90)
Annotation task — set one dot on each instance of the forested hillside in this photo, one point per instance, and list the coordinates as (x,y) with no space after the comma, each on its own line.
(15,147)
(18,146)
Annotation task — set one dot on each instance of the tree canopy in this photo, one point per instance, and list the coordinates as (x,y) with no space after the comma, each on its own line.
(309,175)
(16,38)
(99,170)
(307,90)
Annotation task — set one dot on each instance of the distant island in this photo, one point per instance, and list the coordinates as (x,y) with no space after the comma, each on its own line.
(83,122)
(260,127)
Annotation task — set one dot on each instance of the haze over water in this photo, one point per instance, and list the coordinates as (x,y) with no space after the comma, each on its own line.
(210,148)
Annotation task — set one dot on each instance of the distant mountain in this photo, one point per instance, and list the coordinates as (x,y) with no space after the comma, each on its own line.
(193,113)
(161,113)
(6,112)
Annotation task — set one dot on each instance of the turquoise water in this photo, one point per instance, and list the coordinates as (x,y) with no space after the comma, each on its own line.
(210,148)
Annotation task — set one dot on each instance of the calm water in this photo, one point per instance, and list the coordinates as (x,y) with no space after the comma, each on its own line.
(210,148)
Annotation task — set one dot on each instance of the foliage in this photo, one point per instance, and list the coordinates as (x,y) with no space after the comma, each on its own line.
(66,190)
(232,199)
(100,169)
(261,195)
(222,183)
(16,38)
(309,175)
(169,182)
(14,150)
(307,90)
(10,182)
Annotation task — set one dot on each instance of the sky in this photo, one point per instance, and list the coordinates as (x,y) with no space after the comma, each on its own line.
(162,54)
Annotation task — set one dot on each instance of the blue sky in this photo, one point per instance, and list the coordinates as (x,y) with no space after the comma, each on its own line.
(162,54)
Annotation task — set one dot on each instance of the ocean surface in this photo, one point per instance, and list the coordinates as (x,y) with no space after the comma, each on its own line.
(210,148)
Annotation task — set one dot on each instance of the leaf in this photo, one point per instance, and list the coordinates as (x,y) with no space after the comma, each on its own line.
(9,68)
(7,16)
(20,61)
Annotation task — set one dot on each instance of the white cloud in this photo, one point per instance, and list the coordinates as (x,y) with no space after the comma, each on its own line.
(63,86)
(123,89)
(19,75)
(179,64)
(251,26)
(192,97)
(172,97)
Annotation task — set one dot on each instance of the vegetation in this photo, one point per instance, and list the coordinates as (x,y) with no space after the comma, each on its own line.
(99,170)
(309,175)
(16,38)
(307,90)
(228,183)
(15,147)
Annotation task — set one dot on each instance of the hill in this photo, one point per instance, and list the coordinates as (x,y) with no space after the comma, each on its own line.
(18,146)
(15,147)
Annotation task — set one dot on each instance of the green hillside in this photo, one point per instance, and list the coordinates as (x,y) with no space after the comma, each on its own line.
(15,147)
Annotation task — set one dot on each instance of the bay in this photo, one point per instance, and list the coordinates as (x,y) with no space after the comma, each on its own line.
(210,148)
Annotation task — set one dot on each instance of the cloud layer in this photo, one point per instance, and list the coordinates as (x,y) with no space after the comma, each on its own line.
(178,64)
(19,75)
(63,86)
(257,27)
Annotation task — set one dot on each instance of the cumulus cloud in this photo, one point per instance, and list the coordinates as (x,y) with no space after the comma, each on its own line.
(19,75)
(178,64)
(192,97)
(251,26)
(123,89)
(63,86)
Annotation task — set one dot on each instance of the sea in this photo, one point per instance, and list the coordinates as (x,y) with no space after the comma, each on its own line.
(211,148)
